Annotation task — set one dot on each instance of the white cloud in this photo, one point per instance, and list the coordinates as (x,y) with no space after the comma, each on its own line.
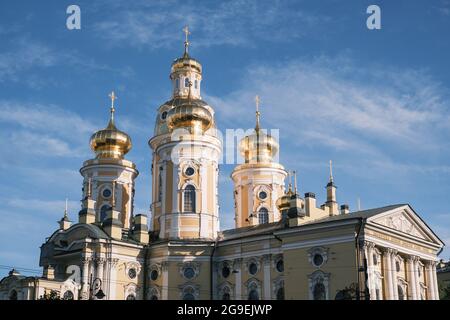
(333,103)
(155,24)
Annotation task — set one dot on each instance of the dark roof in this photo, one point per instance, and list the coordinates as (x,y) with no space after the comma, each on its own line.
(357,214)
(267,228)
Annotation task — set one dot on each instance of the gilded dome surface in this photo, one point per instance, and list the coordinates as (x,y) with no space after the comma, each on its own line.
(258,147)
(188,113)
(110,142)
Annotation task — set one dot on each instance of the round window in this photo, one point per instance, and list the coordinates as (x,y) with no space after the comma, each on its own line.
(189,171)
(226,271)
(280,265)
(164,115)
(317,260)
(262,195)
(189,273)
(253,268)
(106,193)
(132,273)
(154,275)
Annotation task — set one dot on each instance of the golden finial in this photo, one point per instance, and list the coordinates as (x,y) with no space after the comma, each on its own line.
(331,171)
(258,114)
(113,97)
(290,181)
(65,210)
(295,181)
(186,41)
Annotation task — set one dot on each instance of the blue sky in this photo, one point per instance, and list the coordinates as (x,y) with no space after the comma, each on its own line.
(376,102)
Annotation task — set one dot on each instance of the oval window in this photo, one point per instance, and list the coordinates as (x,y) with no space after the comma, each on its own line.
(317,260)
(253,268)
(189,273)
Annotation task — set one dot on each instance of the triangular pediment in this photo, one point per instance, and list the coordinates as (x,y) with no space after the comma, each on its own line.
(404,220)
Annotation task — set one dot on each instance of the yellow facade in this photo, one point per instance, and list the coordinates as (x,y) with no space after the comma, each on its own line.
(283,246)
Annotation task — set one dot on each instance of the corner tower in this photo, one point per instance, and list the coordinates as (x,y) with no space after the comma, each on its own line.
(258,182)
(186,152)
(108,185)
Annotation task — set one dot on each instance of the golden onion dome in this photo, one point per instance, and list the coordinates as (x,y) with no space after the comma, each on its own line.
(284,202)
(110,142)
(190,114)
(258,147)
(185,63)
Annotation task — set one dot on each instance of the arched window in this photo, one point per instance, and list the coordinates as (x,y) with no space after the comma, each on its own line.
(13,295)
(319,291)
(263,215)
(159,187)
(131,297)
(196,84)
(253,295)
(226,296)
(177,83)
(401,295)
(104,212)
(280,293)
(186,82)
(154,297)
(189,199)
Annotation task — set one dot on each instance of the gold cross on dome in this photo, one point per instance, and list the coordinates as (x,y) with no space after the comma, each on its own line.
(113,97)
(186,32)
(257,101)
(186,41)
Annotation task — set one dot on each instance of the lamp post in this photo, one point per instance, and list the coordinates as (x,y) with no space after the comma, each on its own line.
(96,286)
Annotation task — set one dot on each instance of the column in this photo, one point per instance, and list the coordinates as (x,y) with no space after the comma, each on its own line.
(112,278)
(165,280)
(411,279)
(100,266)
(394,274)
(429,280)
(238,278)
(387,268)
(370,269)
(85,284)
(416,276)
(266,265)
(436,286)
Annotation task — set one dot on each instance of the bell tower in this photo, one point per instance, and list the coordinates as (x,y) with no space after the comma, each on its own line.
(258,182)
(186,152)
(108,186)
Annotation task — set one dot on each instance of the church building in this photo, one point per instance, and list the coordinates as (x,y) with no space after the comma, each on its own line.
(284,245)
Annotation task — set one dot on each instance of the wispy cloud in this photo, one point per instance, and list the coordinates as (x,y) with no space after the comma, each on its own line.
(24,59)
(46,130)
(155,24)
(372,112)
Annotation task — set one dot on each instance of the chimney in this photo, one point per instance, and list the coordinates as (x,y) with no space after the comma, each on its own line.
(310,203)
(345,209)
(140,230)
(49,272)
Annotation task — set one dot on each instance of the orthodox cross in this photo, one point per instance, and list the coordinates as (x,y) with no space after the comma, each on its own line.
(186,41)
